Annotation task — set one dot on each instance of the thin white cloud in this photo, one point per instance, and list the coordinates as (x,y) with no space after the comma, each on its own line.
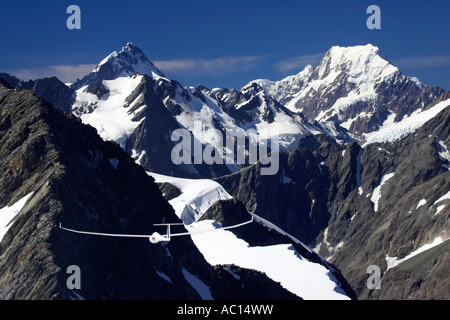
(298,62)
(65,73)
(423,62)
(221,65)
(211,66)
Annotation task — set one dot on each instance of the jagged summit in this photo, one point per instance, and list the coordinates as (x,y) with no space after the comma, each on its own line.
(135,58)
(130,59)
(358,61)
(356,87)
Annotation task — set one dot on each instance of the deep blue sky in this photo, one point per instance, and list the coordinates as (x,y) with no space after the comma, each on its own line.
(222,43)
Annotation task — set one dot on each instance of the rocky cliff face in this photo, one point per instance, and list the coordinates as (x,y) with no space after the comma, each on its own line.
(379,205)
(400,210)
(71,176)
(270,196)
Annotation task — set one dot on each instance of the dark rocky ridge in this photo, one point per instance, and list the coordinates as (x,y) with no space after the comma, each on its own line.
(256,286)
(50,89)
(68,168)
(74,183)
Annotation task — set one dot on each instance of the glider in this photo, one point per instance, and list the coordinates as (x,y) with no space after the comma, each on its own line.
(155,237)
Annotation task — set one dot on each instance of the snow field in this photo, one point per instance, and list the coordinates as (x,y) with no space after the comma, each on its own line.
(280,262)
(409,125)
(7,214)
(376,195)
(110,115)
(393,261)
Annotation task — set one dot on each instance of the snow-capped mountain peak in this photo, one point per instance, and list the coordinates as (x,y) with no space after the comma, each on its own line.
(129,60)
(139,62)
(355,87)
(360,62)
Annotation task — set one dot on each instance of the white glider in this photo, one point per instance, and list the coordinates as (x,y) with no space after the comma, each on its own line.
(155,237)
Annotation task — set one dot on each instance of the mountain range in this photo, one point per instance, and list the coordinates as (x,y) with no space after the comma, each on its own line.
(89,184)
(363,179)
